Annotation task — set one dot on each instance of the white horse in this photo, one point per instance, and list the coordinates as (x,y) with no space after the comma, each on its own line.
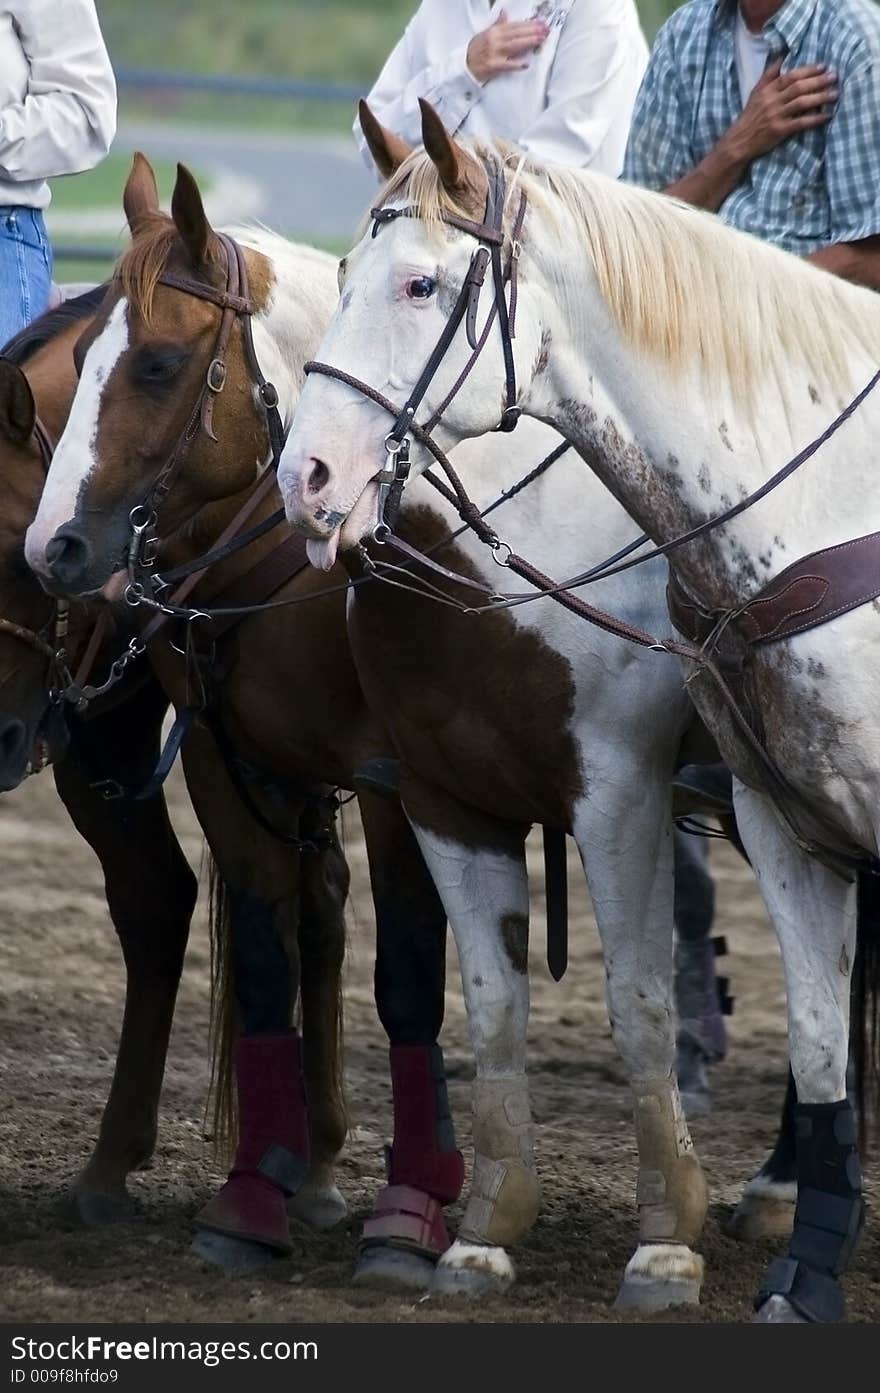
(685,362)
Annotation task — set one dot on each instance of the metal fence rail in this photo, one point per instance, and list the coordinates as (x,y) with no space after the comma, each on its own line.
(293,88)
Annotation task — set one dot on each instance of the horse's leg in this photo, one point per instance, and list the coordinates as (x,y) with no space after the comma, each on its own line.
(701,1037)
(813,912)
(626,846)
(246,1223)
(480,873)
(766,1209)
(324,880)
(406,1233)
(151,892)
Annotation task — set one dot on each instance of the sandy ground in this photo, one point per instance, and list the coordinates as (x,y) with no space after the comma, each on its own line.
(60,1004)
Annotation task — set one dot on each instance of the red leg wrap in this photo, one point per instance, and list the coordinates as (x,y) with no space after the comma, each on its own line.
(273,1146)
(424,1153)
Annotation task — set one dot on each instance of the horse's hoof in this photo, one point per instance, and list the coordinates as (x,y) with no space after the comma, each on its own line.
(660,1275)
(472,1270)
(237,1257)
(319,1208)
(393,1269)
(777,1311)
(766,1211)
(94,1209)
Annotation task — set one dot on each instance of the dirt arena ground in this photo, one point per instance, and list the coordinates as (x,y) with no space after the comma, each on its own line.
(60,1005)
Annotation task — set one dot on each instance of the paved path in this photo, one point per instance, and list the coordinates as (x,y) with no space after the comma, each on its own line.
(304,186)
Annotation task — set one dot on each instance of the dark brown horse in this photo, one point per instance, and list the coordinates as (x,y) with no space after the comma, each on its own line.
(274,701)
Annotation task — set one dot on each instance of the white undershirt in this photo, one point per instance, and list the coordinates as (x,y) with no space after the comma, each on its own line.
(751,57)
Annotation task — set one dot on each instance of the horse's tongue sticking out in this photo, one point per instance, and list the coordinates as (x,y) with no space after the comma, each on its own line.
(322,554)
(361,519)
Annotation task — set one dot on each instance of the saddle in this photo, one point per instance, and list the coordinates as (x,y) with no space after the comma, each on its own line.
(810,592)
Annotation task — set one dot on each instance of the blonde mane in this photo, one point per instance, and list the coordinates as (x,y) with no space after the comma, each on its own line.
(682,287)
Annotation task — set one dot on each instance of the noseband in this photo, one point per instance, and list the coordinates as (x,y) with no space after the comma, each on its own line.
(490,235)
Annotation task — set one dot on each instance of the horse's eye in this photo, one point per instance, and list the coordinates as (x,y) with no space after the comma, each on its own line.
(421,288)
(155,368)
(340,272)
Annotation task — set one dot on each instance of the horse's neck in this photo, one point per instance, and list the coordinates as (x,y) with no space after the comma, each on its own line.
(286,333)
(673,458)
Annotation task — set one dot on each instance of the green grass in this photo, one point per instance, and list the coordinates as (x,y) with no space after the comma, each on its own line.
(320,40)
(89,272)
(102,187)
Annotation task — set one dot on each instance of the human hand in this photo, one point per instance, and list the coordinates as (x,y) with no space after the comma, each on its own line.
(502,47)
(783,105)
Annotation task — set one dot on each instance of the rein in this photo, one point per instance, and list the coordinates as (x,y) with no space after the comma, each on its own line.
(810,831)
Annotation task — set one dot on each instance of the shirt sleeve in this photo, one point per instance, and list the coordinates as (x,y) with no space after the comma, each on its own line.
(68,116)
(852,158)
(658,152)
(599,59)
(448,85)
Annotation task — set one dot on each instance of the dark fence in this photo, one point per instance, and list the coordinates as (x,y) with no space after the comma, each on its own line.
(219,83)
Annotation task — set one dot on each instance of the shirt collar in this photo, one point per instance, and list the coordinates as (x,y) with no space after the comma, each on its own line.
(789,22)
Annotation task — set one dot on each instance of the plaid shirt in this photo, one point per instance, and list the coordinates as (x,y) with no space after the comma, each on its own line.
(819,187)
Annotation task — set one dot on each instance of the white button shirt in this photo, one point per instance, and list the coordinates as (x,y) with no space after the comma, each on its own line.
(571,106)
(57,95)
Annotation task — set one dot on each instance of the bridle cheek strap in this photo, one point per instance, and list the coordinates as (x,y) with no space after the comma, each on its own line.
(490,234)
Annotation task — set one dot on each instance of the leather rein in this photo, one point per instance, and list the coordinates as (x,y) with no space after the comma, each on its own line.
(810,831)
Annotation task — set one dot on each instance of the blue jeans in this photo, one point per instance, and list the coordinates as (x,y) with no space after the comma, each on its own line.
(25,268)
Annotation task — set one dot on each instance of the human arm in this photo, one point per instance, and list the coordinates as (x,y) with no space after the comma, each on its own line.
(453,84)
(852,171)
(598,60)
(781,106)
(67,118)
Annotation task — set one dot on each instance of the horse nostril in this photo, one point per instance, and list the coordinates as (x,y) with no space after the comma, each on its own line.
(68,555)
(12,739)
(318,477)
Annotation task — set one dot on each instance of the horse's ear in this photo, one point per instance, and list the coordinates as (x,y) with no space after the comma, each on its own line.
(188,213)
(387,149)
(141,196)
(447,155)
(17,409)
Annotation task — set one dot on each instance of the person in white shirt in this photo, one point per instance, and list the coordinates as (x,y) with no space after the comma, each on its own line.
(57,116)
(558,79)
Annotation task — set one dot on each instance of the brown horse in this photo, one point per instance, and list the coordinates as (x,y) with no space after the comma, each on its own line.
(150,888)
(274,700)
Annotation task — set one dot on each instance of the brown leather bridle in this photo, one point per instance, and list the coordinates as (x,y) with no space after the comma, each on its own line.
(491,238)
(49,640)
(235,303)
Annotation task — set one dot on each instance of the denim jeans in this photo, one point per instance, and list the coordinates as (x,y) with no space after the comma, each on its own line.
(25,268)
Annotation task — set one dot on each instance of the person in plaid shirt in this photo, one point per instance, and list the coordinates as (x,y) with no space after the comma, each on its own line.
(768,113)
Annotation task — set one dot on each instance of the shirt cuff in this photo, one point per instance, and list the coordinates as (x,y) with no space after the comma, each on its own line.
(456,90)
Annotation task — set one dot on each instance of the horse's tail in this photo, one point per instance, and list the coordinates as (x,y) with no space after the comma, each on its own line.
(221,1108)
(321,940)
(865,1023)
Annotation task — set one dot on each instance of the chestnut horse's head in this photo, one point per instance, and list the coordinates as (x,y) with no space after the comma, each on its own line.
(32,728)
(143,366)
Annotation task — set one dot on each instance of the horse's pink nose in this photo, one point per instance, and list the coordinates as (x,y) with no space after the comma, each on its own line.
(319,477)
